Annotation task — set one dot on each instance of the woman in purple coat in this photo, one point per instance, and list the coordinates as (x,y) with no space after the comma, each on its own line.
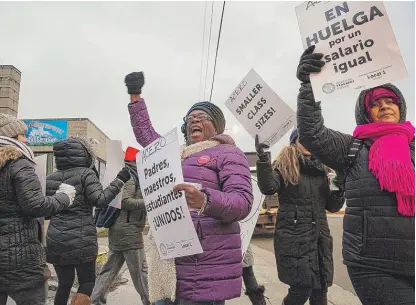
(211,159)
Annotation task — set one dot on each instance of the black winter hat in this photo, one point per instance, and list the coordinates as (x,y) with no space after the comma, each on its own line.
(293,136)
(213,111)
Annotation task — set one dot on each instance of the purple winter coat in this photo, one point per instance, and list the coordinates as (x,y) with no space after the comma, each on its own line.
(215,274)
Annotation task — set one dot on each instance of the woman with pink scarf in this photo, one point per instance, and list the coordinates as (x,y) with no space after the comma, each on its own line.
(378,159)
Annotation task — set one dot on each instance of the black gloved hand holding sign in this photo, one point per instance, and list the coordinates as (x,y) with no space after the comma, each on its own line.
(260,147)
(309,63)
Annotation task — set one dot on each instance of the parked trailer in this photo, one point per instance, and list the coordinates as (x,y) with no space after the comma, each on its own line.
(267,217)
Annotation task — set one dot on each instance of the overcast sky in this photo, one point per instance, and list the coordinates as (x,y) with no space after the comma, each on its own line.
(74,56)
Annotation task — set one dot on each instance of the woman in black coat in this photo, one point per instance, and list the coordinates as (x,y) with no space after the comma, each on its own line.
(22,256)
(302,240)
(71,240)
(379,222)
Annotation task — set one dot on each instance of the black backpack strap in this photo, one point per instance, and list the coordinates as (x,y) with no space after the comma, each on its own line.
(355,148)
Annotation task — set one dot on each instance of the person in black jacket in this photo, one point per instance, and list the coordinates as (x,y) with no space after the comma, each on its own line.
(379,223)
(22,256)
(302,240)
(71,239)
(125,240)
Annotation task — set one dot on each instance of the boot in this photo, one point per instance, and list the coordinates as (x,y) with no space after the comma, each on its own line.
(318,300)
(257,296)
(80,299)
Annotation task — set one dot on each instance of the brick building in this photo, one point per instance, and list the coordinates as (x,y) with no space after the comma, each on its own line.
(9,89)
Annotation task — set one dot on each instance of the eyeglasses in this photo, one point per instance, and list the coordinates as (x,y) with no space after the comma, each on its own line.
(198,117)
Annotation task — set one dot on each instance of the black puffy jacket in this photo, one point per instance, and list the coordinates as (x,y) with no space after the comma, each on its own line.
(302,240)
(72,236)
(375,235)
(21,201)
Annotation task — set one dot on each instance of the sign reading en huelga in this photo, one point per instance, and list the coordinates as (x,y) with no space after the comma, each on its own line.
(358,43)
(160,169)
(260,110)
(46,132)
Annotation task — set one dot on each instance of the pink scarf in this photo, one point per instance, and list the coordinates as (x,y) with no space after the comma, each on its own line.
(390,161)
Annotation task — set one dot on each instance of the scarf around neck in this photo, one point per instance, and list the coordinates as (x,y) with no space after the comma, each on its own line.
(189,150)
(390,160)
(23,148)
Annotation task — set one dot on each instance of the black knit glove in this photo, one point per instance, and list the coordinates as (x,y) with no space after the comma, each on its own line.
(124,175)
(260,147)
(309,62)
(339,181)
(134,82)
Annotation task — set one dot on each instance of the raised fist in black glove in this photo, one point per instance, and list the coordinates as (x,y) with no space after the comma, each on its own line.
(124,175)
(260,147)
(309,62)
(134,82)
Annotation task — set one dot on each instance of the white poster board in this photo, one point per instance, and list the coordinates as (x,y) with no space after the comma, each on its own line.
(115,163)
(358,43)
(160,169)
(248,224)
(40,169)
(260,110)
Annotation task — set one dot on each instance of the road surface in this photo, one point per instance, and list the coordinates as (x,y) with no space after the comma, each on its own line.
(340,273)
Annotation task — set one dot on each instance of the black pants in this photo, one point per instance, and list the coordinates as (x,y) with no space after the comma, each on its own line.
(378,288)
(34,296)
(66,277)
(249,279)
(300,295)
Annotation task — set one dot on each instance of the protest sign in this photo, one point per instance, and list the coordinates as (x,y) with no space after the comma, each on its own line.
(115,163)
(260,110)
(358,43)
(159,168)
(248,224)
(40,169)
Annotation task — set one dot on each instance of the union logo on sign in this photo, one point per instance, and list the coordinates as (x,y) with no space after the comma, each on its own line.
(328,88)
(163,249)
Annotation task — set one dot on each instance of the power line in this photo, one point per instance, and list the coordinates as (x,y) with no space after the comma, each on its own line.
(202,51)
(209,46)
(216,52)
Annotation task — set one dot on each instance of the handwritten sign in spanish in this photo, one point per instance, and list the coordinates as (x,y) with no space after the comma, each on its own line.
(159,168)
(358,43)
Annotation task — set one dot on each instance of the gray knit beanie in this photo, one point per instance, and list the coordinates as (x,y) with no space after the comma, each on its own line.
(213,111)
(11,127)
